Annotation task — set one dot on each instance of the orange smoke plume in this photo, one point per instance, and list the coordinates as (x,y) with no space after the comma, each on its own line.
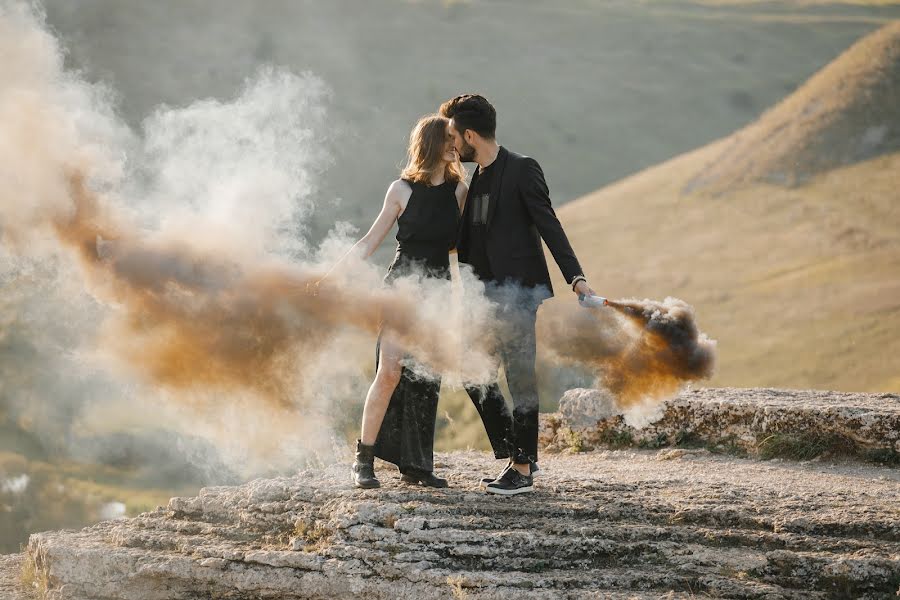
(640,351)
(193,319)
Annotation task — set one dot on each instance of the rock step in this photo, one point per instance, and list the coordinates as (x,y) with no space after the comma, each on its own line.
(597,503)
(287,574)
(625,536)
(463,549)
(233,577)
(757,421)
(612,524)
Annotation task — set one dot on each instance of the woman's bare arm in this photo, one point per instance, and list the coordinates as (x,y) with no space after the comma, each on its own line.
(396,196)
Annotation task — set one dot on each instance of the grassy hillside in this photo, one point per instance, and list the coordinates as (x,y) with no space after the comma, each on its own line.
(848,112)
(800,284)
(595,90)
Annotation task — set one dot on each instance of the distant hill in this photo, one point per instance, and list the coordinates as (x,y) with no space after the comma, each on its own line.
(643,81)
(785,236)
(846,113)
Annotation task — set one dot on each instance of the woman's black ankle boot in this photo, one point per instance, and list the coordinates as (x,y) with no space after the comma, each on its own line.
(426,478)
(363,470)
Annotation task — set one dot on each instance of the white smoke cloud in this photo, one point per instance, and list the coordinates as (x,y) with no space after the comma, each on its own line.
(243,171)
(235,177)
(206,197)
(52,122)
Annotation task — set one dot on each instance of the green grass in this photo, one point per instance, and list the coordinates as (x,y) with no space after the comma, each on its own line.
(729,445)
(882,456)
(805,446)
(575,442)
(688,439)
(615,438)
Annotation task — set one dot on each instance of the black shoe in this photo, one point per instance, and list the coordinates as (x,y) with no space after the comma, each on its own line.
(363,470)
(486,480)
(510,483)
(426,478)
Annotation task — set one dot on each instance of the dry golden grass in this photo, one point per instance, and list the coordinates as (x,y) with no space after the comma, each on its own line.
(800,286)
(34,582)
(315,534)
(845,113)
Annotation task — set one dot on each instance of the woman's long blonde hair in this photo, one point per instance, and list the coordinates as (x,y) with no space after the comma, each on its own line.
(426,147)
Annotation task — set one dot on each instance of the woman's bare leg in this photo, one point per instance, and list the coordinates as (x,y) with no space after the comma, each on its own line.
(379,397)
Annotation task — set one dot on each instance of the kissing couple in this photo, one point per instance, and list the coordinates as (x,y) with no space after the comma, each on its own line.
(496,225)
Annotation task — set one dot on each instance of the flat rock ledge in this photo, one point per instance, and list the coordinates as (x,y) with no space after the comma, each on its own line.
(631,523)
(612,524)
(756,421)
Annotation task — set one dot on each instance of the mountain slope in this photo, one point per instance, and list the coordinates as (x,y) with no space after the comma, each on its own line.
(800,284)
(848,112)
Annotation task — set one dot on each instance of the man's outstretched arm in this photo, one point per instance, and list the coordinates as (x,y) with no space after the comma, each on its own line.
(536,196)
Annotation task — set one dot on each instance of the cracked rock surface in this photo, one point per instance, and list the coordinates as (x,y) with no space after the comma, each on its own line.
(853,424)
(622,524)
(678,522)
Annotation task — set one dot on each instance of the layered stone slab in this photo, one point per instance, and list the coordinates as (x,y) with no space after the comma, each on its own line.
(751,420)
(611,524)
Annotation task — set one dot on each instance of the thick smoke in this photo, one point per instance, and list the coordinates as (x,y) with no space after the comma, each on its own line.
(642,351)
(191,317)
(186,243)
(164,281)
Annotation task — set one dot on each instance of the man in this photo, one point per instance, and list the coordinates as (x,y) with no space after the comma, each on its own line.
(507,213)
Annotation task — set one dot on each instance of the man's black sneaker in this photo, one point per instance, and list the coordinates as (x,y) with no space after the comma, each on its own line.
(486,480)
(510,483)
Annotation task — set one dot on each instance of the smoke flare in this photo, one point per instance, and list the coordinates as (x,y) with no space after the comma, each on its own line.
(642,351)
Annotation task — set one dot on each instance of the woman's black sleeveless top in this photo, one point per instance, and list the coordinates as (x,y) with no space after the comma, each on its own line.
(426,231)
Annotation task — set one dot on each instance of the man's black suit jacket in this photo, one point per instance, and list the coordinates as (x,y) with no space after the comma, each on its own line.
(519,216)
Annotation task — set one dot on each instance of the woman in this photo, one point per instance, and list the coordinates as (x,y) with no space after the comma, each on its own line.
(399,414)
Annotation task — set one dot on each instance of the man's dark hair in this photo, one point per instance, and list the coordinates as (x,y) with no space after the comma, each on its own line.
(471,111)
